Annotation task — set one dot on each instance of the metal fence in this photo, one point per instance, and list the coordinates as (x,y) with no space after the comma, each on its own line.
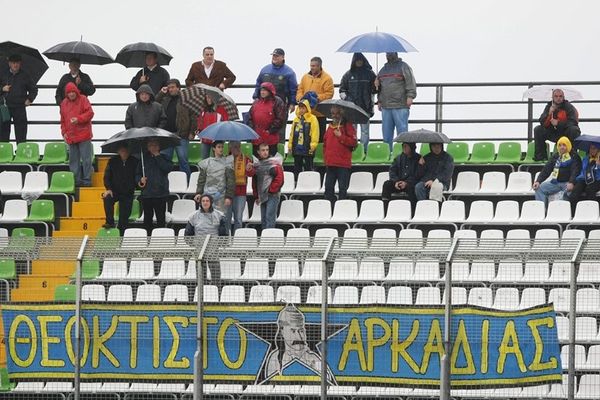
(262,286)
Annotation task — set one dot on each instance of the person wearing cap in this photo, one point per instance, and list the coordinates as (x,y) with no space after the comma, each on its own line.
(145,111)
(152,74)
(82,81)
(320,82)
(267,115)
(562,168)
(558,119)
(18,90)
(284,79)
(397,89)
(404,174)
(210,71)
(436,169)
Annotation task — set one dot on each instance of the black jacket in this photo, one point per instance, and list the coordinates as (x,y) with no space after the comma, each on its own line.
(22,88)
(149,114)
(358,84)
(406,169)
(572,116)
(157,170)
(566,173)
(119,176)
(157,78)
(86,86)
(438,167)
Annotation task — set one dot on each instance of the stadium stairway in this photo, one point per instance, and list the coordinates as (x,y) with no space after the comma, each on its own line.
(45,276)
(88,212)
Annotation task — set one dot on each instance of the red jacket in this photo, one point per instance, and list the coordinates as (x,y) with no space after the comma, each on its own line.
(207,118)
(79,108)
(276,183)
(267,116)
(337,151)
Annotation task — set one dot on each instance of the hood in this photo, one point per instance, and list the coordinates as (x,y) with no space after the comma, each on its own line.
(360,56)
(71,87)
(145,89)
(565,140)
(308,109)
(270,87)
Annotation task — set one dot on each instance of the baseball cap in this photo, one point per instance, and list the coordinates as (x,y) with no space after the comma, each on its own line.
(278,52)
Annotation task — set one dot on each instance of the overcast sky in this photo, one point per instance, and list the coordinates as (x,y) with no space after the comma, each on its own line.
(458,41)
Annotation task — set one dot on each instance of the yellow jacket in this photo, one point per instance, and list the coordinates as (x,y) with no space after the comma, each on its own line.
(304,141)
(321,84)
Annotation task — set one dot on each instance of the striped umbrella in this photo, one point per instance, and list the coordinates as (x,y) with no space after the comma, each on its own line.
(194,98)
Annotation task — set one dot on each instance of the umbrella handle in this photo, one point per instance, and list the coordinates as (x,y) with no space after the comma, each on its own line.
(143,167)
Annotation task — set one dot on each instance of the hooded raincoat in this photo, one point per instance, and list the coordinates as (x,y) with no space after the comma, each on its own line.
(141,114)
(79,108)
(304,134)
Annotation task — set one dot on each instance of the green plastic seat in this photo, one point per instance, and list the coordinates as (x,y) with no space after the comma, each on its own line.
(5,384)
(22,238)
(319,158)
(66,293)
(396,150)
(8,269)
(531,152)
(194,153)
(6,152)
(377,153)
(424,149)
(55,153)
(135,210)
(509,153)
(90,269)
(62,182)
(459,151)
(27,153)
(482,153)
(110,232)
(289,159)
(247,149)
(22,233)
(358,155)
(41,210)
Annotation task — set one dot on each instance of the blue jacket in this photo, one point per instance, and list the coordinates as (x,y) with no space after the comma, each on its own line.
(284,79)
(589,172)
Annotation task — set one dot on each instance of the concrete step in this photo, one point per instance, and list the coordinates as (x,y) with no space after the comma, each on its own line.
(37,288)
(86,209)
(91,194)
(86,225)
(98,179)
(73,233)
(60,268)
(102,162)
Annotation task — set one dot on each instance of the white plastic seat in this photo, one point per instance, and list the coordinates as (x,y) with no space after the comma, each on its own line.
(344,211)
(345,295)
(163,238)
(381,178)
(438,239)
(355,238)
(60,387)
(291,211)
(586,211)
(562,328)
(546,239)
(532,297)
(193,183)
(231,268)
(561,299)
(460,271)
(468,234)
(398,211)
(120,293)
(288,294)
(506,299)
(482,271)
(519,182)
(298,238)
(558,211)
(11,182)
(344,269)
(308,182)
(533,211)
(401,295)
(141,268)
(360,183)
(318,211)
(571,234)
(372,295)
(176,293)
(481,211)
(588,272)
(509,271)
(289,183)
(371,211)
(115,387)
(426,271)
(135,237)
(588,387)
(171,269)
(479,296)
(586,329)
(459,296)
(536,271)
(493,182)
(452,211)
(210,294)
(190,272)
(400,269)
(261,294)
(3,237)
(314,295)
(178,182)
(579,356)
(428,295)
(148,293)
(323,236)
(559,390)
(286,269)
(115,269)
(93,293)
(410,239)
(35,182)
(272,238)
(371,269)
(245,238)
(426,211)
(311,270)
(255,217)
(561,272)
(15,210)
(593,359)
(588,300)
(256,269)
(170,387)
(384,238)
(467,182)
(182,210)
(233,294)
(506,211)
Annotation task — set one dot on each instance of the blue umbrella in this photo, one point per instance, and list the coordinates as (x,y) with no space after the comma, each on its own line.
(583,142)
(229,130)
(376,42)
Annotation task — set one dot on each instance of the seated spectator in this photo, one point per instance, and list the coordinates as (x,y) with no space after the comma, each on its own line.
(211,114)
(558,119)
(216,178)
(338,143)
(404,173)
(206,220)
(119,182)
(304,137)
(587,183)
(438,167)
(563,168)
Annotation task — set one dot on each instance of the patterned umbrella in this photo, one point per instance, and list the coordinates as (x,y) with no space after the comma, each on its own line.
(194,98)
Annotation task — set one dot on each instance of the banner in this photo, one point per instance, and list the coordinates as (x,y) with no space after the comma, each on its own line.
(281,343)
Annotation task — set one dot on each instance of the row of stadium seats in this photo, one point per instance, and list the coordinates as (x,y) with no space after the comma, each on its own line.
(11,182)
(18,211)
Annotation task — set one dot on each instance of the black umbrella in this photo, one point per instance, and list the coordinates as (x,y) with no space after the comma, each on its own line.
(422,136)
(33,62)
(351,111)
(134,54)
(86,53)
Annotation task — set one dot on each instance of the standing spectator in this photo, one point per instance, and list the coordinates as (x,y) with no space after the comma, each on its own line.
(563,168)
(211,114)
(438,167)
(266,185)
(588,181)
(319,82)
(76,127)
(154,182)
(304,137)
(207,220)
(119,182)
(145,111)
(338,144)
(83,81)
(152,74)
(358,86)
(179,120)
(558,119)
(397,90)
(404,173)
(216,178)
(284,79)
(243,167)
(210,71)
(18,91)
(267,115)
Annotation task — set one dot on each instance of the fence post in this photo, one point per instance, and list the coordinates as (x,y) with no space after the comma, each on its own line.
(529,117)
(198,356)
(572,319)
(445,374)
(77,380)
(439,100)
(324,293)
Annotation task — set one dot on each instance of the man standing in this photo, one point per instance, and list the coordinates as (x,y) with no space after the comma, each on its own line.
(284,79)
(216,178)
(558,119)
(18,91)
(319,82)
(438,167)
(243,167)
(404,173)
(210,71)
(179,120)
(397,90)
(145,111)
(266,185)
(152,74)
(358,86)
(82,81)
(119,182)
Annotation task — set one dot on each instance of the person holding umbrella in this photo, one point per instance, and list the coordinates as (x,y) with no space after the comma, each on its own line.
(152,177)
(82,81)
(18,91)
(405,172)
(152,74)
(267,115)
(437,167)
(587,183)
(210,114)
(145,112)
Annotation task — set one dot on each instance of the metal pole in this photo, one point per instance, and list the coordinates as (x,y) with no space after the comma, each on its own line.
(77,380)
(324,292)
(198,356)
(445,375)
(439,100)
(572,319)
(530,117)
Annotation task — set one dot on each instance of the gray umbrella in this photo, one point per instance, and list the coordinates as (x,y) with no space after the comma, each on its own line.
(422,136)
(352,112)
(86,53)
